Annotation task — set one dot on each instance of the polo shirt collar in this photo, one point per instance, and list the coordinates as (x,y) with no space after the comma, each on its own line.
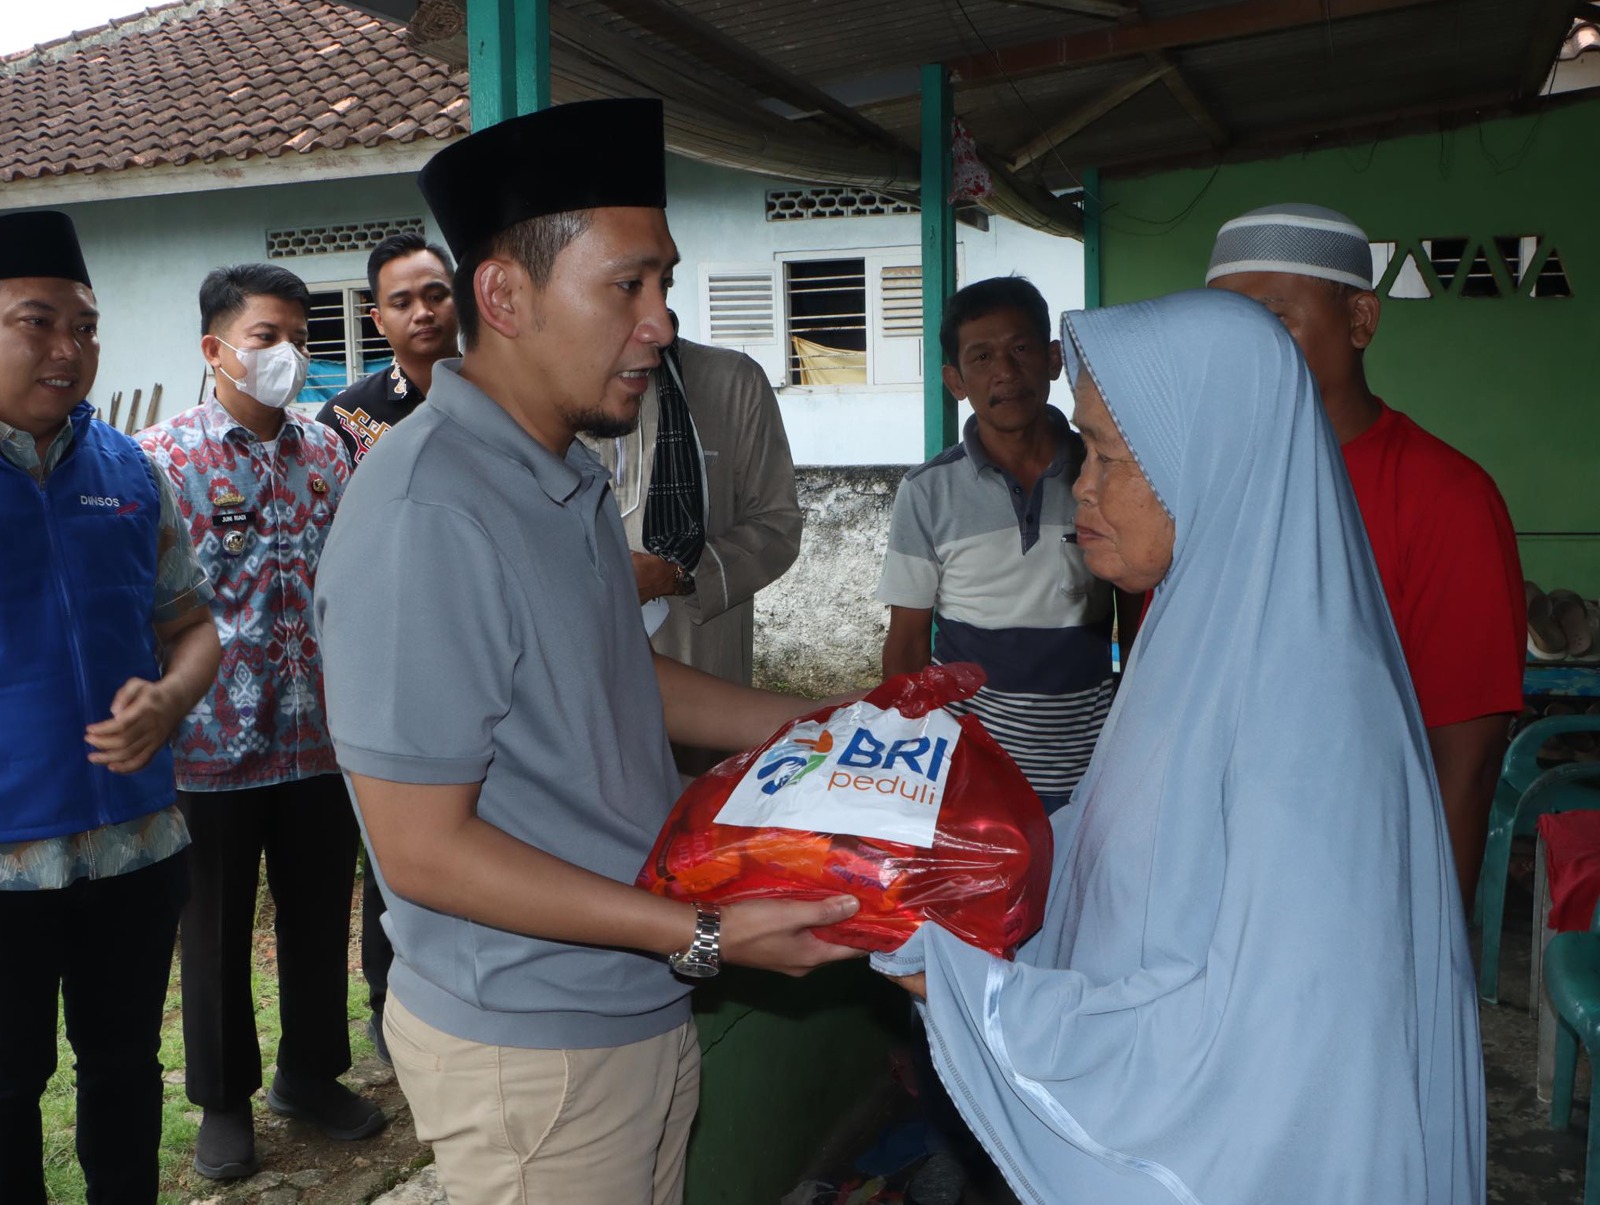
(22,450)
(463,402)
(972,444)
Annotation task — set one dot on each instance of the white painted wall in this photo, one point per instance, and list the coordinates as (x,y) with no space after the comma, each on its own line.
(718,216)
(147,256)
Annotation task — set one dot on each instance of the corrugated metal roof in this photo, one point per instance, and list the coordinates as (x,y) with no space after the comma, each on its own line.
(1266,89)
(1244,74)
(828,40)
(1242,78)
(788,86)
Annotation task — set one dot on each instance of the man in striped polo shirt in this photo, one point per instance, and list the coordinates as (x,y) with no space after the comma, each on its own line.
(982,537)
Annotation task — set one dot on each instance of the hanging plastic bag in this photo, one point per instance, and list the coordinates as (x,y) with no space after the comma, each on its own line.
(917,813)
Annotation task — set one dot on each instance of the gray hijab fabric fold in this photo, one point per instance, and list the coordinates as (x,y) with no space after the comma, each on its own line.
(1253,982)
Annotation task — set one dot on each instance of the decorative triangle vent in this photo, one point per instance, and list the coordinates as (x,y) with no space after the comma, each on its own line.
(1486,274)
(1410,278)
(1547,275)
(1503,266)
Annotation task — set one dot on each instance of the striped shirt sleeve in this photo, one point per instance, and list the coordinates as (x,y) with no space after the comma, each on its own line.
(911,566)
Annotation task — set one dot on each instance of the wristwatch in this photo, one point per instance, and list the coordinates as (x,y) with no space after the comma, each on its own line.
(682,580)
(703,957)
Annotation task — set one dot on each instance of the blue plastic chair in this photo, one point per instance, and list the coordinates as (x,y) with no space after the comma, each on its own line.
(1572,979)
(1523,795)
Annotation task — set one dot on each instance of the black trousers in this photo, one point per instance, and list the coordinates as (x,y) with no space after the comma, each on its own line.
(307,831)
(105,946)
(376,952)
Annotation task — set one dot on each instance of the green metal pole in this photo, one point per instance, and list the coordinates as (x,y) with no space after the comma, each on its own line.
(1091,239)
(533,54)
(508,58)
(938,255)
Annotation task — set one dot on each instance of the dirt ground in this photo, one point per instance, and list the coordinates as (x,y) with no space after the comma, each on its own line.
(1529,1163)
(299,1166)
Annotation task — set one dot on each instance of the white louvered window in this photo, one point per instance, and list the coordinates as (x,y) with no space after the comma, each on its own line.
(741,311)
(741,307)
(902,301)
(898,358)
(822,319)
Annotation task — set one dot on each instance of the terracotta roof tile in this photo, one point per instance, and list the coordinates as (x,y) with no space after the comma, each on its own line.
(201,79)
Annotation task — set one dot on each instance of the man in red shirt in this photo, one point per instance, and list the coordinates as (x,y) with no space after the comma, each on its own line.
(1439,529)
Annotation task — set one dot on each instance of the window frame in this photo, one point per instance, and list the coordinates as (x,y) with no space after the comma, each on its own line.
(894,357)
(356,311)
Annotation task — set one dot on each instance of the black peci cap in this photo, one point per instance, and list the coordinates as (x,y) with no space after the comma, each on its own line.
(592,154)
(40,242)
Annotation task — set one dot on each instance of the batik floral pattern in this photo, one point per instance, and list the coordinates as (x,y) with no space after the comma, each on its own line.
(258,520)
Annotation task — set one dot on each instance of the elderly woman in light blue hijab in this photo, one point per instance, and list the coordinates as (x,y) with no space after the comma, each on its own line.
(1253,983)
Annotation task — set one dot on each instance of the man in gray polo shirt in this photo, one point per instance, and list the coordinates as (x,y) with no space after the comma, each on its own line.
(495,704)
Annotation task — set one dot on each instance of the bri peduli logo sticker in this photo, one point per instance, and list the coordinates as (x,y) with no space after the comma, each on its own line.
(866,771)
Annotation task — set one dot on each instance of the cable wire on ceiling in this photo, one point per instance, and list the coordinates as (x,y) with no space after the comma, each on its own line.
(1514,161)
(1164,225)
(1033,118)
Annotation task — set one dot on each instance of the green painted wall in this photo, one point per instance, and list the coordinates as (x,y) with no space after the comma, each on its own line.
(782,1060)
(1513,382)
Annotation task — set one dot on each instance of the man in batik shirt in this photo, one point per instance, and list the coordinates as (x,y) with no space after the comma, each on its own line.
(257,486)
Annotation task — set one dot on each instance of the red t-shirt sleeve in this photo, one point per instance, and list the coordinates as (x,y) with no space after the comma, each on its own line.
(1463,621)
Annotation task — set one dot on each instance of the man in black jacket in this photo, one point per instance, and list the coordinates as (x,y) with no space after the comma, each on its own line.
(413,310)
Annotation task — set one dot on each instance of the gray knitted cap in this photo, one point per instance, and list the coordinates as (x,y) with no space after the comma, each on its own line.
(1306,240)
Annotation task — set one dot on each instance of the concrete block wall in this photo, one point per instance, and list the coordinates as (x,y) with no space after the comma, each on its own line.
(819,628)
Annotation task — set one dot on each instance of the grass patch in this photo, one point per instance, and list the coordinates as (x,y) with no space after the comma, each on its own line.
(180,1120)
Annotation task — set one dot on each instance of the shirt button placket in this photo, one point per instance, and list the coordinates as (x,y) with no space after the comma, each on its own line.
(276,488)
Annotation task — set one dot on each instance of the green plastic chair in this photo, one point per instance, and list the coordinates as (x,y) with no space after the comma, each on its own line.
(1523,794)
(1572,979)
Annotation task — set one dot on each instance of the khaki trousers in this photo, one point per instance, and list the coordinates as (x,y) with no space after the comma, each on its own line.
(511,1126)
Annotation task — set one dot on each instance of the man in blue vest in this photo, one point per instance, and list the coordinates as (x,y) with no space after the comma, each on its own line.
(106,642)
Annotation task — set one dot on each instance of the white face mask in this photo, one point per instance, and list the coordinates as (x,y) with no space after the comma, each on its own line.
(273,375)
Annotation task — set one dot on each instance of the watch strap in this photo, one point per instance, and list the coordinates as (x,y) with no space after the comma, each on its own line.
(702,958)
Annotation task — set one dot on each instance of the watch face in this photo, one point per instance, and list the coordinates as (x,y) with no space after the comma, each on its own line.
(691,967)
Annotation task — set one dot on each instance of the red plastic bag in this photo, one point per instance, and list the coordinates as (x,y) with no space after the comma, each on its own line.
(946,828)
